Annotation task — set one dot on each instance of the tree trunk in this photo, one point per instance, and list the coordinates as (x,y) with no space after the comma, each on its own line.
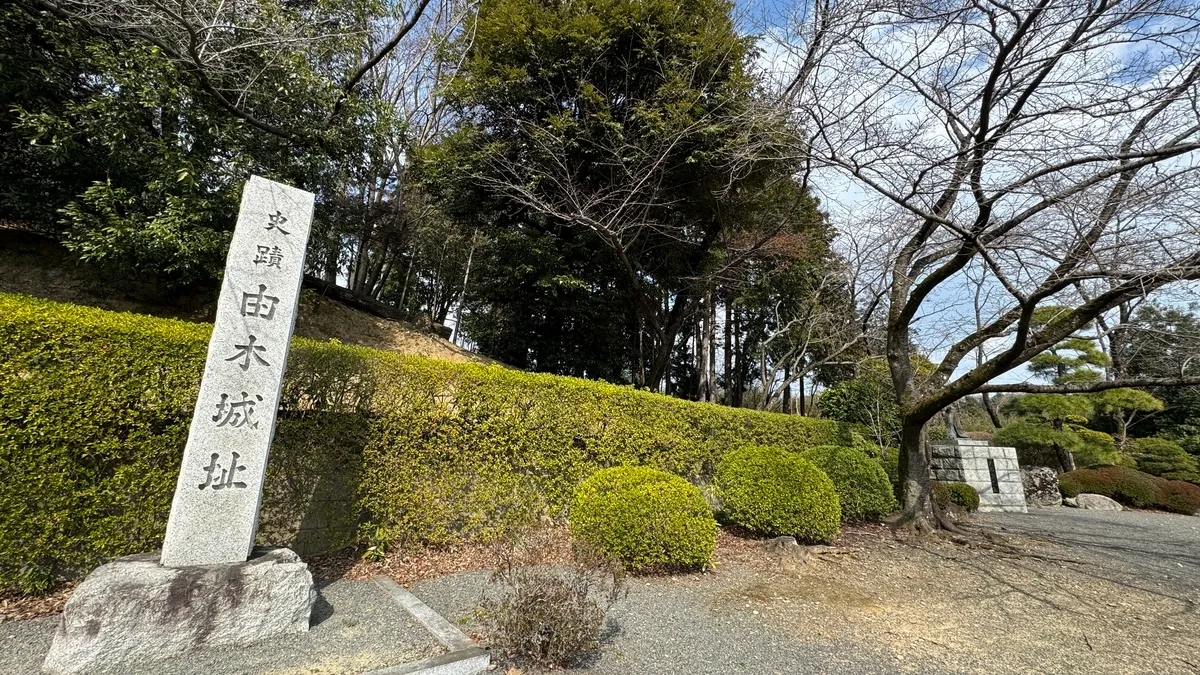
(728,355)
(993,413)
(787,390)
(917,484)
(703,348)
(712,348)
(803,406)
(739,384)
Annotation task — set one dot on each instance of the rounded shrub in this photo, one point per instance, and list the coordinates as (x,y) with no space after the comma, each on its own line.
(959,494)
(863,489)
(1127,486)
(1178,496)
(644,517)
(1165,458)
(963,495)
(775,492)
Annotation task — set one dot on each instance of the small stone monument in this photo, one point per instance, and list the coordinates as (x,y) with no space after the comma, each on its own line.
(992,471)
(210,586)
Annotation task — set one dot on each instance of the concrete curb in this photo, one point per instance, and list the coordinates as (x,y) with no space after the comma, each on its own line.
(464,657)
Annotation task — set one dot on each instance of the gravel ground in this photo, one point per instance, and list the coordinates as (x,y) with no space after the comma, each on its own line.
(692,625)
(356,628)
(1052,591)
(1159,549)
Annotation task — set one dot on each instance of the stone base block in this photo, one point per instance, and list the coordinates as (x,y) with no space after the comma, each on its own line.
(135,609)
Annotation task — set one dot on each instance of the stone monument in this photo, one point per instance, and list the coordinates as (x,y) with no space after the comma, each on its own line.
(210,586)
(992,471)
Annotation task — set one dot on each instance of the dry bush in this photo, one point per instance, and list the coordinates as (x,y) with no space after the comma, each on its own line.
(543,615)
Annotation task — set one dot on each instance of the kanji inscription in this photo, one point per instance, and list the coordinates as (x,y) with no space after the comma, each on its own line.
(214,514)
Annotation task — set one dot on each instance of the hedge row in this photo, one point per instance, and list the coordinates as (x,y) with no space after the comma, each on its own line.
(371,446)
(1132,488)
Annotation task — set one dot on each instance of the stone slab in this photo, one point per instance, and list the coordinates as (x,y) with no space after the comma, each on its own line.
(444,631)
(134,609)
(468,661)
(214,514)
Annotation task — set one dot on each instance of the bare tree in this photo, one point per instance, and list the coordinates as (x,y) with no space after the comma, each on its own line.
(1038,146)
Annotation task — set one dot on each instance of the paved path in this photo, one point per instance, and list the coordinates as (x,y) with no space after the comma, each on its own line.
(356,628)
(685,626)
(1147,548)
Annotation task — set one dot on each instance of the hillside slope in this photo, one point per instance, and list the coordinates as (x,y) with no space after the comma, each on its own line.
(33,265)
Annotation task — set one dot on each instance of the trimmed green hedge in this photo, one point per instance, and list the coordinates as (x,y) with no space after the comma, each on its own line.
(371,446)
(1132,488)
(959,494)
(775,492)
(644,517)
(1127,486)
(863,488)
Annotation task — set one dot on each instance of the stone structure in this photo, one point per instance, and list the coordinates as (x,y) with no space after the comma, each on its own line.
(993,472)
(202,591)
(1087,500)
(214,515)
(1041,486)
(134,609)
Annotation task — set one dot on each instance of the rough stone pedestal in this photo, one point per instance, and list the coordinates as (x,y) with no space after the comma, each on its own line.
(135,609)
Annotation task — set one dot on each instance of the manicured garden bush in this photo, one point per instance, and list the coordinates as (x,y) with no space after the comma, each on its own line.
(960,494)
(775,492)
(864,491)
(964,495)
(1164,458)
(644,517)
(95,407)
(1127,486)
(1178,496)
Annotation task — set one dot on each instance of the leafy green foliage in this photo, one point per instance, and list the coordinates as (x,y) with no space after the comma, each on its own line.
(1165,458)
(97,404)
(775,492)
(644,517)
(868,399)
(1127,486)
(1097,447)
(863,488)
(139,168)
(959,494)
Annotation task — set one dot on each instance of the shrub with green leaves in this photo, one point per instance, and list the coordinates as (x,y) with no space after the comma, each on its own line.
(95,407)
(961,495)
(1127,486)
(864,491)
(644,517)
(1165,458)
(775,492)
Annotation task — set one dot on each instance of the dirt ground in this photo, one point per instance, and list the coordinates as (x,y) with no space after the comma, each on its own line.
(1017,596)
(1056,590)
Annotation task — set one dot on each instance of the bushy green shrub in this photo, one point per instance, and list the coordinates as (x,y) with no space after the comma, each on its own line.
(95,407)
(963,495)
(1178,496)
(644,517)
(1165,458)
(775,492)
(864,491)
(1127,486)
(959,494)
